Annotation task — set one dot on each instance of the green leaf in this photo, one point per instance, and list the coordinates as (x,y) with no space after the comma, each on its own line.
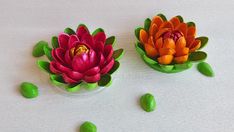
(105,80)
(69,31)
(167,68)
(38,49)
(90,86)
(191,24)
(114,68)
(162,16)
(197,56)
(147,24)
(73,88)
(54,42)
(205,69)
(137,32)
(97,31)
(47,51)
(118,54)
(139,48)
(180,18)
(111,40)
(44,65)
(204,40)
(149,60)
(57,80)
(148,102)
(183,66)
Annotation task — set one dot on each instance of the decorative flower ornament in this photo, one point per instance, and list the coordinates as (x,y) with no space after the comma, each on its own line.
(80,58)
(169,45)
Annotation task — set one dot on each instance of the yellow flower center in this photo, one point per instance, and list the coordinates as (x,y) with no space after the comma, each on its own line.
(80,49)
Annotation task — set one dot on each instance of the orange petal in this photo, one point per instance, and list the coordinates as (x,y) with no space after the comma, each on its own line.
(169,43)
(153,29)
(175,21)
(159,43)
(143,36)
(189,41)
(180,43)
(181,59)
(151,41)
(191,31)
(182,27)
(166,25)
(166,59)
(150,50)
(182,51)
(166,51)
(157,20)
(196,45)
(161,32)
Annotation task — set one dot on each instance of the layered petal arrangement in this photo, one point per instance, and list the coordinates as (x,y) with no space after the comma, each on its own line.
(169,45)
(80,58)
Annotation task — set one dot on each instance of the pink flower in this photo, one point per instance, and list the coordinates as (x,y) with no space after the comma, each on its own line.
(82,57)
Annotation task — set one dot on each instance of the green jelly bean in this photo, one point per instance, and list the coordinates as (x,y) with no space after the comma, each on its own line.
(38,49)
(205,69)
(88,127)
(28,90)
(148,102)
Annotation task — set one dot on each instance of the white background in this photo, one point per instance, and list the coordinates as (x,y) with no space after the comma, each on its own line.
(186,102)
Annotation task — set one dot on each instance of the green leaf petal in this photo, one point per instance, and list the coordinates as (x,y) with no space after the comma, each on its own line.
(97,31)
(166,68)
(148,102)
(149,60)
(38,49)
(105,80)
(44,65)
(47,51)
(205,69)
(197,56)
(180,18)
(54,42)
(183,66)
(69,31)
(57,80)
(73,88)
(114,68)
(191,24)
(118,54)
(204,40)
(111,40)
(90,86)
(139,48)
(147,24)
(137,32)
(162,16)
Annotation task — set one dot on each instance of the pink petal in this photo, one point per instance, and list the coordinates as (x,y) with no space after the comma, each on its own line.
(73,38)
(81,30)
(88,39)
(100,37)
(101,59)
(63,40)
(99,46)
(93,58)
(68,79)
(81,63)
(93,71)
(92,79)
(62,68)
(68,58)
(75,75)
(53,67)
(107,67)
(108,52)
(58,55)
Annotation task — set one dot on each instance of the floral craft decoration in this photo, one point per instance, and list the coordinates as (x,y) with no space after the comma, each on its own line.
(169,46)
(79,59)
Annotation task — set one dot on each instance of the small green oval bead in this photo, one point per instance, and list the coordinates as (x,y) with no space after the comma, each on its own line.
(148,102)
(38,49)
(29,90)
(88,127)
(205,69)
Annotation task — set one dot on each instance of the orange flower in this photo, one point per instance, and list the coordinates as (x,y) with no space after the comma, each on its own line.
(169,41)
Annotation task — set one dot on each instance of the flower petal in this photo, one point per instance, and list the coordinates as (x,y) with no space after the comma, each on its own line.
(92,79)
(93,58)
(99,46)
(68,79)
(189,41)
(58,55)
(180,43)
(182,27)
(143,36)
(93,71)
(159,43)
(157,20)
(182,51)
(72,40)
(196,45)
(53,68)
(63,40)
(74,75)
(181,59)
(191,31)
(80,63)
(108,52)
(150,50)
(166,25)
(67,57)
(175,21)
(161,32)
(166,59)
(107,67)
(81,30)
(166,51)
(87,39)
(153,29)
(169,43)
(101,59)
(100,37)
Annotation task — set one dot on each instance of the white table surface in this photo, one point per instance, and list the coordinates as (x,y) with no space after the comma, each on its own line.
(186,102)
